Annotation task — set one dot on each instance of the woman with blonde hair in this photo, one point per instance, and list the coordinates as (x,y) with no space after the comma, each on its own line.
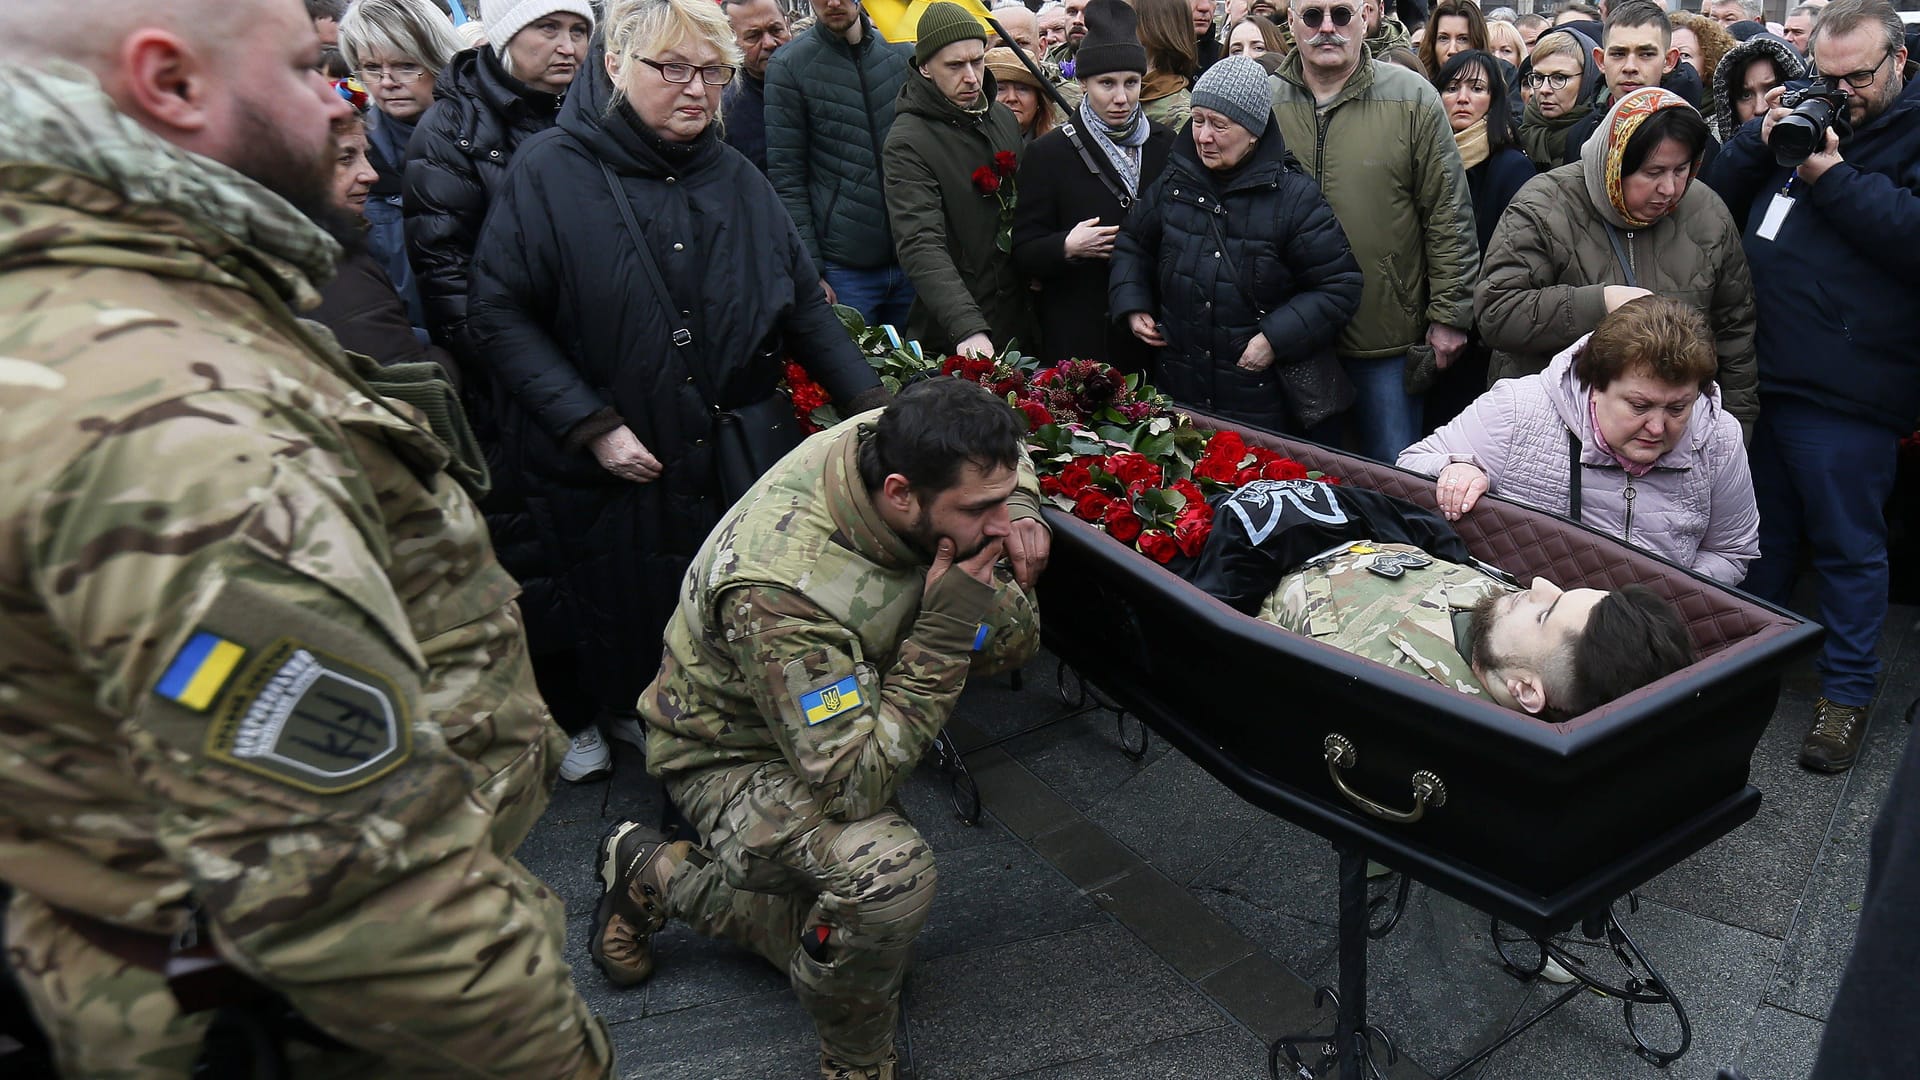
(636,277)
(1505,42)
(1166,30)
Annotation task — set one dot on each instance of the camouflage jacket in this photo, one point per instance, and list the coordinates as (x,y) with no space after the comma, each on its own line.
(256,655)
(801,634)
(1405,621)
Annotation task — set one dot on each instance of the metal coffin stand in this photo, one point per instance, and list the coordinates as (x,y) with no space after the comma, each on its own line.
(1541,825)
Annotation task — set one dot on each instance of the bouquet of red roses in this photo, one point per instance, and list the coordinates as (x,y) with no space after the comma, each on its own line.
(995,180)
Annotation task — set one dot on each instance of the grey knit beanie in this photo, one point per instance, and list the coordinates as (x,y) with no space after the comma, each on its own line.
(1236,87)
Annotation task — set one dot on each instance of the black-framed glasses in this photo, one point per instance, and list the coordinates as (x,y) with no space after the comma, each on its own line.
(1556,81)
(404,74)
(1313,17)
(712,74)
(1860,80)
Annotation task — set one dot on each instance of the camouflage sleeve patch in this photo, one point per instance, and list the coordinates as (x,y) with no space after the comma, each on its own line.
(275,690)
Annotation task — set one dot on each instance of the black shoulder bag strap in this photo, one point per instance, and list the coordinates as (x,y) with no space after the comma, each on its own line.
(1573,476)
(682,337)
(1099,166)
(1620,254)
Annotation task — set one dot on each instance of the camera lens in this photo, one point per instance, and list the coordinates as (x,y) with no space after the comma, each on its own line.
(1801,132)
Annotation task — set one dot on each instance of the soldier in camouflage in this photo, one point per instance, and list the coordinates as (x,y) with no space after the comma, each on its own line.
(262,683)
(823,635)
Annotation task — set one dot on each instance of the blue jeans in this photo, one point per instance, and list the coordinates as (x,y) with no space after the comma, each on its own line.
(881,294)
(1825,477)
(1385,416)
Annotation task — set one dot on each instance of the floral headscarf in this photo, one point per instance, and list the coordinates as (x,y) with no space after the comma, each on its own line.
(1606,150)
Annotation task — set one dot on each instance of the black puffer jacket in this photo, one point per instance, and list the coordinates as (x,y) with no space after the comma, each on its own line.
(576,341)
(455,164)
(1293,262)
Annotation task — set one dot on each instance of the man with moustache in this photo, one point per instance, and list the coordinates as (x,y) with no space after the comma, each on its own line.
(759,28)
(822,638)
(1834,247)
(269,710)
(1076,29)
(1376,138)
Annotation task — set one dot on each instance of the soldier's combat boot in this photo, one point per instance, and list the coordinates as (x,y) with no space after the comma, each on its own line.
(832,1068)
(634,867)
(1834,740)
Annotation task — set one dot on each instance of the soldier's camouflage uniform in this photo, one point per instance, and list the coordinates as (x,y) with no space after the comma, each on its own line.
(803,678)
(256,656)
(1413,621)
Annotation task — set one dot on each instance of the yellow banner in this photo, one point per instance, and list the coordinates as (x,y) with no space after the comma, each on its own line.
(899,20)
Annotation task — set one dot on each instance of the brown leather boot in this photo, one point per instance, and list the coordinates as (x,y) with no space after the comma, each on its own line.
(634,867)
(832,1068)
(1834,741)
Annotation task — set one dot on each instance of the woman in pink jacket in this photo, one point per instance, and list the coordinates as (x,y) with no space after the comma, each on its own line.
(1624,432)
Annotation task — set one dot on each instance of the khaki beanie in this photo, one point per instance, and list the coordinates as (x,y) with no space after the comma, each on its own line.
(941,25)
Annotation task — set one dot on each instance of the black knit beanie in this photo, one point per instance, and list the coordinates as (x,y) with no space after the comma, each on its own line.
(1112,42)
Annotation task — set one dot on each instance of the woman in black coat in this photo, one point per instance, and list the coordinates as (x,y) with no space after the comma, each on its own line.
(1473,89)
(1069,210)
(602,413)
(1234,267)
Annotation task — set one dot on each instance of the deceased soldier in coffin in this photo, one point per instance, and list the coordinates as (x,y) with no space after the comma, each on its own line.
(1384,579)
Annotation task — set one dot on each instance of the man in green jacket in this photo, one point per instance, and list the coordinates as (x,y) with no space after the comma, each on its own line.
(830,103)
(265,690)
(1377,139)
(950,188)
(822,638)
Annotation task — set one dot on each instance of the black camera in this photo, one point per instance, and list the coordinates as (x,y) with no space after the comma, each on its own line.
(1817,106)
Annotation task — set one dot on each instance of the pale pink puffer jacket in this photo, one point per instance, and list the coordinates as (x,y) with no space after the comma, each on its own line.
(1695,507)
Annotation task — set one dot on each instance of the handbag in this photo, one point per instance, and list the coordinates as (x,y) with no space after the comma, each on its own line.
(747,441)
(1317,387)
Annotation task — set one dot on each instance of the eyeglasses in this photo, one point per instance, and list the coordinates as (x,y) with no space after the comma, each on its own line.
(1555,82)
(1313,17)
(1860,80)
(712,74)
(404,74)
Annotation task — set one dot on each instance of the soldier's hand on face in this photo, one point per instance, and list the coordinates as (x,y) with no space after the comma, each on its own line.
(1458,487)
(1028,544)
(979,567)
(620,452)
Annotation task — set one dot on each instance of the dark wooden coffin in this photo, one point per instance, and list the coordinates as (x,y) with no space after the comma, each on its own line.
(1542,823)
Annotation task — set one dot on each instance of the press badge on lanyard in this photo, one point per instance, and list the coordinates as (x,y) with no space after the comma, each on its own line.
(1777,211)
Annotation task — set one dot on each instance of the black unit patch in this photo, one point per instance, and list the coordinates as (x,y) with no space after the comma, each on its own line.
(310,720)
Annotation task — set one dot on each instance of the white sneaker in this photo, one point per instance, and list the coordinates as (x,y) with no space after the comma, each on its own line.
(587,759)
(628,730)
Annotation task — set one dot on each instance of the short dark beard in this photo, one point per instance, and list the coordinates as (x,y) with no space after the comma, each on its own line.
(265,156)
(1480,633)
(921,535)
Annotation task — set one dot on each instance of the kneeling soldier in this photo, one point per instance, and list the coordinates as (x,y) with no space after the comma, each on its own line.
(823,635)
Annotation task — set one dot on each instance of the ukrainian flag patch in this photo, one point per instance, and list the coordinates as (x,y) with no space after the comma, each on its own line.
(828,702)
(200,671)
(980,637)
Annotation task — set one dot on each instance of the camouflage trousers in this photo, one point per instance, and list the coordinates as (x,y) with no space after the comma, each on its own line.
(778,869)
(111,1020)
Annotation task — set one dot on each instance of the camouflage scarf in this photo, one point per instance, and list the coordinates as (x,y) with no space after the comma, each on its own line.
(58,116)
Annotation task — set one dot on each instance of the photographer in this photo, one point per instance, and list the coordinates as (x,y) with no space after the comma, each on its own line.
(1834,247)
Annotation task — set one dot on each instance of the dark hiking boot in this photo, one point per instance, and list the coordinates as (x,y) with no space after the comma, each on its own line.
(1834,741)
(832,1068)
(634,867)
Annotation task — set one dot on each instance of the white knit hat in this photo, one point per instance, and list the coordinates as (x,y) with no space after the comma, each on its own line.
(505,18)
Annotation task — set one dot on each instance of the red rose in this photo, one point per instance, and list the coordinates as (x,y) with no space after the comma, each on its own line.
(1121,522)
(1227,446)
(1190,535)
(1158,545)
(1050,485)
(1093,505)
(1133,468)
(1216,470)
(1329,478)
(1074,480)
(1045,377)
(976,368)
(1283,469)
(985,180)
(1037,415)
(1192,491)
(1246,476)
(1004,163)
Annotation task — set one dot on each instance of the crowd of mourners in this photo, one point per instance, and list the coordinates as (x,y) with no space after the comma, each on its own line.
(1390,232)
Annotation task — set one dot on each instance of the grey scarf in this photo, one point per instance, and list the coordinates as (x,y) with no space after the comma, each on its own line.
(1120,144)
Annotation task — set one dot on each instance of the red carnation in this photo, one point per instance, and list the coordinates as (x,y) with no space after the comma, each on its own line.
(1004,163)
(1093,505)
(1158,545)
(985,180)
(1122,523)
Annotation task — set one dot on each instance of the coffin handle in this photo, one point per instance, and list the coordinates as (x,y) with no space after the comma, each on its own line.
(1428,790)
